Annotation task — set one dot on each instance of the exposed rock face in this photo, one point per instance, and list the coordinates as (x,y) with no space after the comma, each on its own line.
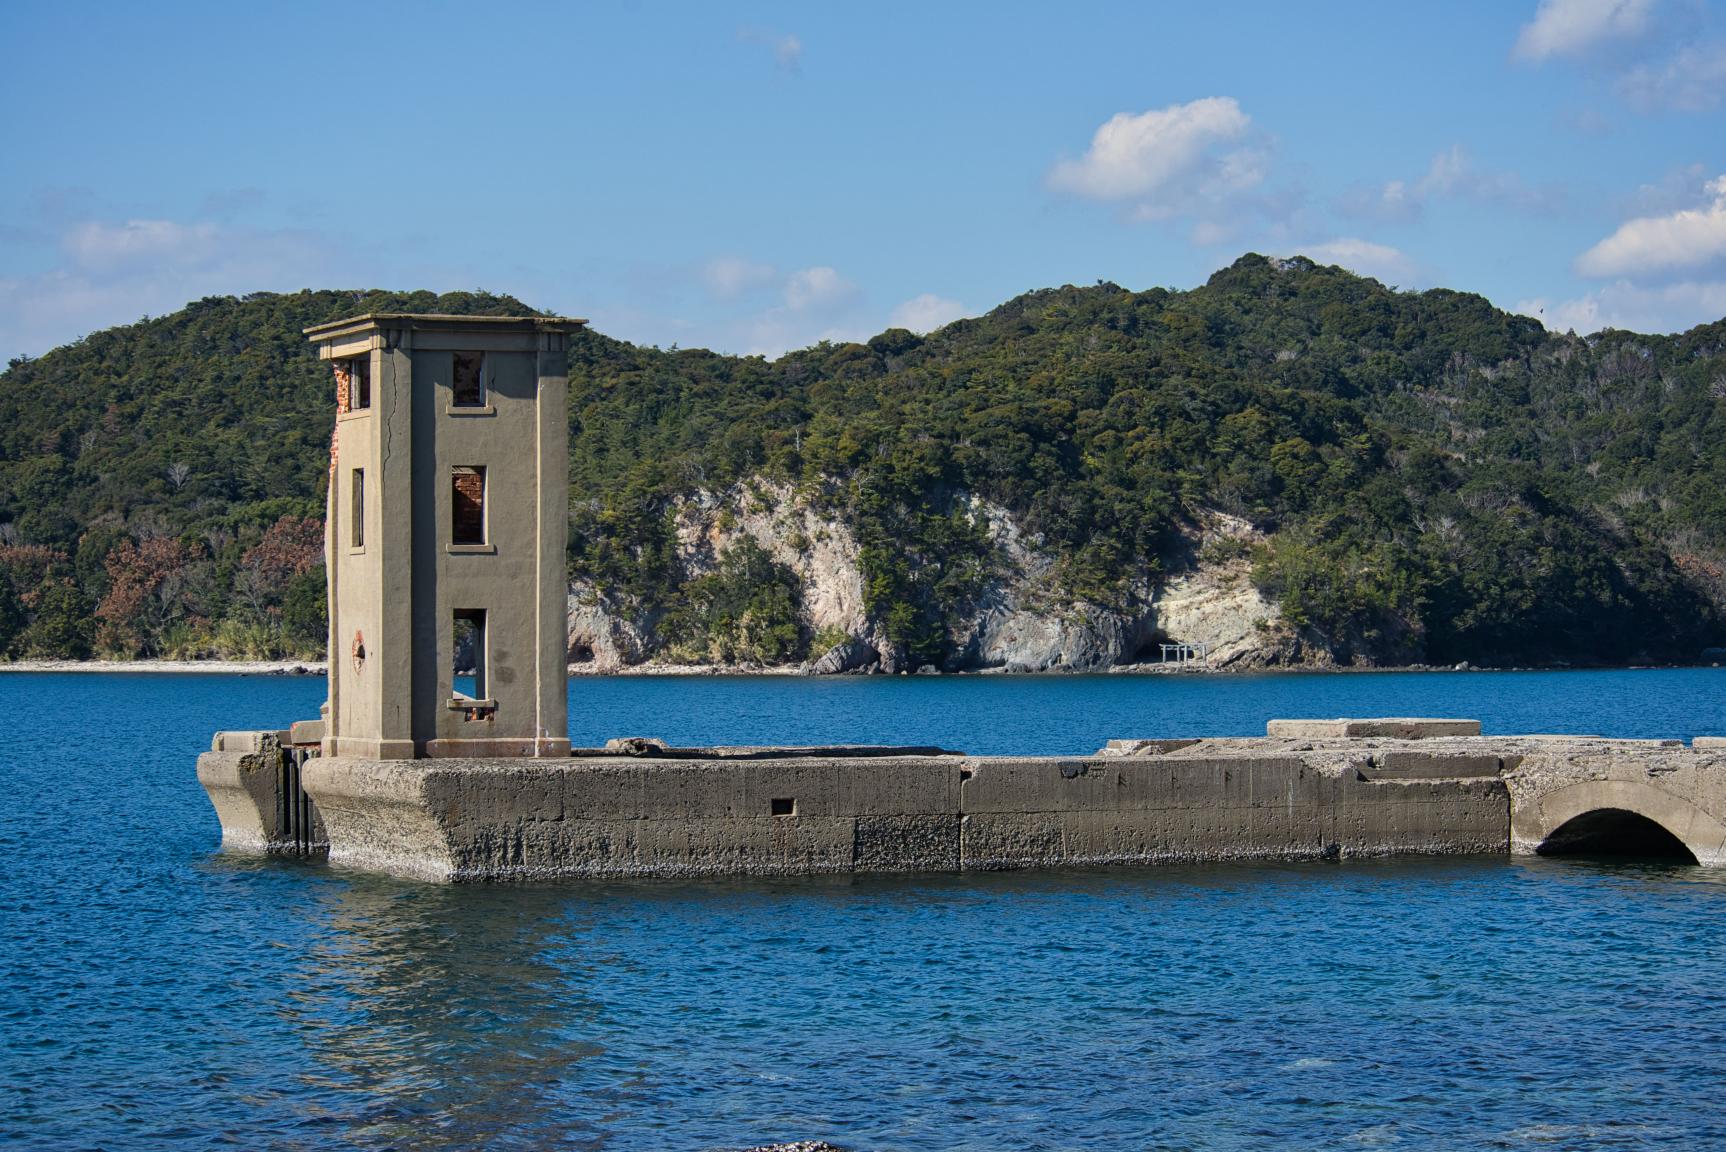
(851,656)
(1081,639)
(598,635)
(1020,623)
(1215,603)
(819,548)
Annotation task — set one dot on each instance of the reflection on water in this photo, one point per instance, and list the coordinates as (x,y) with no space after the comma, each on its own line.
(413,999)
(153,994)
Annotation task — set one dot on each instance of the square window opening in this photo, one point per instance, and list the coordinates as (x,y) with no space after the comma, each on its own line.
(783,806)
(468,380)
(357,512)
(468,680)
(467,505)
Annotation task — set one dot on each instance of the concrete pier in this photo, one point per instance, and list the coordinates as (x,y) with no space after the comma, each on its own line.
(641,809)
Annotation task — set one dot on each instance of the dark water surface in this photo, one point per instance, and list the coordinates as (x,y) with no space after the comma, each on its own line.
(155,994)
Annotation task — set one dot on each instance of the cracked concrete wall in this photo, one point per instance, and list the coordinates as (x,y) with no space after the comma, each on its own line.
(395,587)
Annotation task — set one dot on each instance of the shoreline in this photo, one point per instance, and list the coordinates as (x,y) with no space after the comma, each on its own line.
(172,667)
(318,668)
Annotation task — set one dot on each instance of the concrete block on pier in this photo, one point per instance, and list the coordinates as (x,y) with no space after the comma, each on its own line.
(1393,727)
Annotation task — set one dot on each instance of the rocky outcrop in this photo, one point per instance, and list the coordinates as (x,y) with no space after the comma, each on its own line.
(1080,639)
(603,637)
(1020,624)
(850,656)
(815,545)
(1213,603)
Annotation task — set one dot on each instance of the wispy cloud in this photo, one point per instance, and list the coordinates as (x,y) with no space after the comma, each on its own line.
(787,49)
(1662,308)
(815,304)
(1686,239)
(729,278)
(114,271)
(1573,27)
(926,313)
(1380,261)
(1693,80)
(1452,174)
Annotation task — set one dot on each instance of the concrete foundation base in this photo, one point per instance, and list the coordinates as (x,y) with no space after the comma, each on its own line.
(252,780)
(638,808)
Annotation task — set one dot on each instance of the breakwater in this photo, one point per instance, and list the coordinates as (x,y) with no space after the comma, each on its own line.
(1305,790)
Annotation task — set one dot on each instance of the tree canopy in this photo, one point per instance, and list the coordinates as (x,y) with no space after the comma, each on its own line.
(1439,480)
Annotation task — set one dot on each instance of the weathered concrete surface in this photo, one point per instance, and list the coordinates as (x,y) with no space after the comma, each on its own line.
(242,775)
(640,807)
(496,819)
(1681,789)
(765,811)
(1405,728)
(1214,804)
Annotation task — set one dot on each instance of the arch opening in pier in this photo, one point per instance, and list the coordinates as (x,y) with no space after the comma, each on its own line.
(1615,832)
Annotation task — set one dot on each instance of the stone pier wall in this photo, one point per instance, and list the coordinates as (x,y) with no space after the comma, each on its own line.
(1312,790)
(453,820)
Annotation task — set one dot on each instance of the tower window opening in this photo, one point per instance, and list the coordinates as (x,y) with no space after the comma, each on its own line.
(353,383)
(467,506)
(357,513)
(468,680)
(468,380)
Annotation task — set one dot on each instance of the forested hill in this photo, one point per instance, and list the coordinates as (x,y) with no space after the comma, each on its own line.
(1437,480)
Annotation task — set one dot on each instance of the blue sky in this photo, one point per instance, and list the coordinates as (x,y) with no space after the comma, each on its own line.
(757,177)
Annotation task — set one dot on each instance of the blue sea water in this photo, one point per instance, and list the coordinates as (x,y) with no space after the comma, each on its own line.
(156,994)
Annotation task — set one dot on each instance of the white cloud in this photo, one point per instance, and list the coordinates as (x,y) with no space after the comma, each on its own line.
(818,304)
(1394,201)
(1164,160)
(817,289)
(1452,174)
(1572,27)
(926,313)
(731,277)
(113,272)
(1666,308)
(1691,81)
(1380,261)
(1685,239)
(1679,188)
(97,244)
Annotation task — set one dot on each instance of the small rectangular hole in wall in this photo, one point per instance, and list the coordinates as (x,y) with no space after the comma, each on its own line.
(467,506)
(468,380)
(468,678)
(362,382)
(784,806)
(357,511)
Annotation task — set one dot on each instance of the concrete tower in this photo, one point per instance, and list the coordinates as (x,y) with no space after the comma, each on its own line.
(445,536)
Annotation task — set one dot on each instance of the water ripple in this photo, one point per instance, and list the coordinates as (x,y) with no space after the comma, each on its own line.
(155,994)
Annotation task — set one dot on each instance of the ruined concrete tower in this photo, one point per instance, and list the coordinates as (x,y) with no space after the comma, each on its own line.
(445,536)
